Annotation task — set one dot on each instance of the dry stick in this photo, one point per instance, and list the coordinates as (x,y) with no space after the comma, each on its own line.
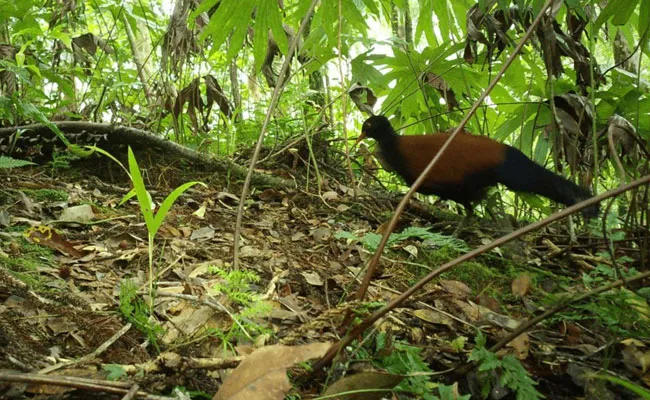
(89,357)
(274,101)
(94,385)
(132,392)
(361,293)
(357,330)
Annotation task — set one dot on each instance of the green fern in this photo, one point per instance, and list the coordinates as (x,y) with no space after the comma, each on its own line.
(9,162)
(236,285)
(512,373)
(135,310)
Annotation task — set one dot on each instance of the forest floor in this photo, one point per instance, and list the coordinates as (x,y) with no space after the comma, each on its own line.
(74,272)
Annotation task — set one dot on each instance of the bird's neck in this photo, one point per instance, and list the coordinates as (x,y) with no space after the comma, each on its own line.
(391,154)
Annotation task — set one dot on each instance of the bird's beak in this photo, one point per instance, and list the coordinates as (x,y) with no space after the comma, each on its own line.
(359,139)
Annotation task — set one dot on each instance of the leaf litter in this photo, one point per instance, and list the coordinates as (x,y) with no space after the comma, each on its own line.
(60,301)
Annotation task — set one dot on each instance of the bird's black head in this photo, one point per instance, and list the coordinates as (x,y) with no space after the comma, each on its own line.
(377,127)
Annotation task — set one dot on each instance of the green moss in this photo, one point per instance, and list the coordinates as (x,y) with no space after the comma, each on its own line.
(475,273)
(47,194)
(477,276)
(30,260)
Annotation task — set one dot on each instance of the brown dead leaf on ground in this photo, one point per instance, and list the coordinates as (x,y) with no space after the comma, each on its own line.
(263,374)
(521,285)
(456,288)
(521,346)
(364,381)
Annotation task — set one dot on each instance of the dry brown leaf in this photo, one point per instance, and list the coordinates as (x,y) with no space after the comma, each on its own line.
(312,278)
(270,195)
(636,359)
(456,288)
(433,317)
(361,381)
(321,234)
(330,195)
(521,285)
(475,312)
(263,374)
(49,237)
(521,345)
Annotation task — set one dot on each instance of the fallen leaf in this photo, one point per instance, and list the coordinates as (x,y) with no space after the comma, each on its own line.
(312,278)
(411,249)
(456,288)
(298,236)
(50,237)
(82,213)
(250,251)
(433,317)
(521,345)
(321,234)
(263,374)
(204,233)
(270,195)
(200,213)
(361,381)
(521,285)
(331,195)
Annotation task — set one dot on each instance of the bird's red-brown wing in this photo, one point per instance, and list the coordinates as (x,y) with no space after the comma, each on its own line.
(466,155)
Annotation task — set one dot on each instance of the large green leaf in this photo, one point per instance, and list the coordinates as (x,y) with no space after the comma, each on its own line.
(425,23)
(231,18)
(644,25)
(267,18)
(618,11)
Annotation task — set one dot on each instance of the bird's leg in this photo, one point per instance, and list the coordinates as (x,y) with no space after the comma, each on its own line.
(469,213)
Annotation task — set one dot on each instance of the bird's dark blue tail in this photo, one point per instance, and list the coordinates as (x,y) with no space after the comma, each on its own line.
(519,173)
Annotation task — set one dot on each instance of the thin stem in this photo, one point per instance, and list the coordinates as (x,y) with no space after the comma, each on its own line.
(277,92)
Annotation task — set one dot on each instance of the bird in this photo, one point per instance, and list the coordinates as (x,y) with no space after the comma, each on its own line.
(470,165)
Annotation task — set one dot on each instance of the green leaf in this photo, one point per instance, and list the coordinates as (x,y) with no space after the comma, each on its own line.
(618,11)
(366,73)
(622,15)
(631,386)
(141,191)
(268,17)
(10,162)
(644,25)
(442,10)
(274,19)
(232,16)
(169,202)
(115,371)
(372,7)
(62,36)
(203,7)
(425,23)
(109,155)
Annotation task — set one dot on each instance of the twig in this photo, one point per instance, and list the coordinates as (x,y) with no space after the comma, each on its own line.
(132,392)
(279,88)
(94,385)
(91,356)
